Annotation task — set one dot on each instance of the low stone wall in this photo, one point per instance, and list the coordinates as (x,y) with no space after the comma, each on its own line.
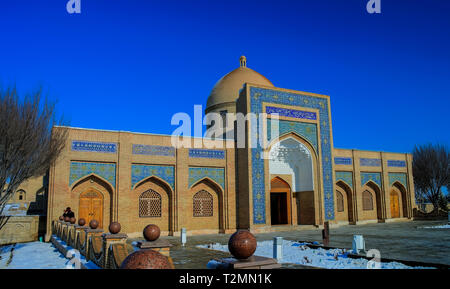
(433,215)
(19,229)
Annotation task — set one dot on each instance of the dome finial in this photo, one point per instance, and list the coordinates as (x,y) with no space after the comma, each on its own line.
(243,61)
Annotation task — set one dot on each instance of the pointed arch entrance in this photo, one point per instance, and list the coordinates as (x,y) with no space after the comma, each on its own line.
(344,203)
(398,201)
(280,202)
(91,206)
(370,199)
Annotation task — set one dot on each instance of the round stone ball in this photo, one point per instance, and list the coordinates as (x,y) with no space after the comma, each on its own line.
(66,219)
(114,227)
(61,218)
(151,232)
(242,244)
(73,220)
(146,259)
(81,222)
(93,224)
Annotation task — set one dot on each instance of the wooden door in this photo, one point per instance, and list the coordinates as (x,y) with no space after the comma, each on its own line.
(395,212)
(91,207)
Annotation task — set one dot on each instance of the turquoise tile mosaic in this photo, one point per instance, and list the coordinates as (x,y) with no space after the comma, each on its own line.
(291,113)
(369,162)
(397,177)
(374,177)
(206,153)
(346,177)
(266,95)
(395,163)
(153,150)
(98,147)
(78,170)
(305,130)
(198,173)
(140,172)
(342,161)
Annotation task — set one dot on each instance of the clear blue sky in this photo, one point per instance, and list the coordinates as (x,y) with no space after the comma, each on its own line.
(129,65)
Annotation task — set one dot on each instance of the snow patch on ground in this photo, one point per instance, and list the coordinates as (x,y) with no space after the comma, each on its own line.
(298,253)
(34,255)
(438,227)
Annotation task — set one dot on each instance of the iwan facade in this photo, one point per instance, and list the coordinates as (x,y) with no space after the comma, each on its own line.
(287,182)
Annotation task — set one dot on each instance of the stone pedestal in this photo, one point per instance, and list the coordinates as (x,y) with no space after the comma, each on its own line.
(108,241)
(161,246)
(253,262)
(63,231)
(88,234)
(70,235)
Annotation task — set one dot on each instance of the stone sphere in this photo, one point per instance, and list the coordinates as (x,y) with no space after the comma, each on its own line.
(81,222)
(61,218)
(114,227)
(93,224)
(151,232)
(146,259)
(73,220)
(242,244)
(66,219)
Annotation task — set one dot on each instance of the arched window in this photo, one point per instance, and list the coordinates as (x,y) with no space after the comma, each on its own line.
(21,195)
(150,204)
(203,204)
(339,201)
(367,201)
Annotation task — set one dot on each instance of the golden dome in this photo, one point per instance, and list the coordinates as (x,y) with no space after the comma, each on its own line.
(226,90)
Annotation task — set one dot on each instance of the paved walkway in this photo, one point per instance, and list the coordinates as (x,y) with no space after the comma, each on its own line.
(398,240)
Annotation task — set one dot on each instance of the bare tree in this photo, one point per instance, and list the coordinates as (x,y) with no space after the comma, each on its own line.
(431,171)
(28,144)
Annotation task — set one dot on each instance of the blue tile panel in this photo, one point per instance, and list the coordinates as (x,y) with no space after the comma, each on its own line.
(204,153)
(342,161)
(374,177)
(395,163)
(97,147)
(291,112)
(216,174)
(257,97)
(370,162)
(140,172)
(346,177)
(305,130)
(78,170)
(397,177)
(153,150)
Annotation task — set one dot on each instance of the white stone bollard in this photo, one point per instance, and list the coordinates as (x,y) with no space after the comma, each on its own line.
(278,248)
(358,244)
(183,236)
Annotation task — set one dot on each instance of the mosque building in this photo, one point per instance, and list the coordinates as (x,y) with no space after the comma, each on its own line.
(139,179)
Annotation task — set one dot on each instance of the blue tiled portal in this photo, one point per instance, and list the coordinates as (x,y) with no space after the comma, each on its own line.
(257,97)
(306,130)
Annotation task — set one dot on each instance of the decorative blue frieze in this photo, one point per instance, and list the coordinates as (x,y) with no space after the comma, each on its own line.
(369,162)
(207,153)
(153,150)
(78,170)
(216,174)
(141,172)
(98,147)
(397,177)
(342,161)
(291,113)
(305,130)
(395,163)
(346,177)
(374,177)
(257,97)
